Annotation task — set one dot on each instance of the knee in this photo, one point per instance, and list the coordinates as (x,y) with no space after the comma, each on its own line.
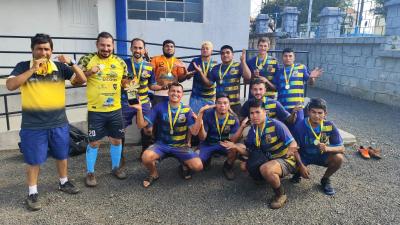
(196,165)
(94,144)
(148,156)
(114,141)
(337,159)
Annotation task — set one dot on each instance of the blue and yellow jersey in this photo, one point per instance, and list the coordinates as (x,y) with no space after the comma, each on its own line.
(210,126)
(159,117)
(104,88)
(199,89)
(267,70)
(43,96)
(297,82)
(305,137)
(275,109)
(146,78)
(275,140)
(230,84)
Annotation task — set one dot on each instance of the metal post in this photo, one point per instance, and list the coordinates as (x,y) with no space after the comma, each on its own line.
(6,111)
(309,18)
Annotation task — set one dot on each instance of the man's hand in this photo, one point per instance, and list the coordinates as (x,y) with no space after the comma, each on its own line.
(138,106)
(297,108)
(94,70)
(245,122)
(317,72)
(243,56)
(304,172)
(256,73)
(64,59)
(323,147)
(37,63)
(263,79)
(291,151)
(227,144)
(206,107)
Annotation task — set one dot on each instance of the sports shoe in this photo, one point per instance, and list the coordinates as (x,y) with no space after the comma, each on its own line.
(33,203)
(119,173)
(364,152)
(278,201)
(327,187)
(90,180)
(296,178)
(185,173)
(227,169)
(68,187)
(374,152)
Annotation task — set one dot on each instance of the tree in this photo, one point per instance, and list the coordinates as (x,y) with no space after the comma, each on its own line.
(302,5)
(379,7)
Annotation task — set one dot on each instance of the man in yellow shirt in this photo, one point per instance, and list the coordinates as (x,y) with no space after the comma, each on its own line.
(104,72)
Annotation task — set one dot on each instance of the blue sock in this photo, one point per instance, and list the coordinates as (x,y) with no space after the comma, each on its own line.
(115,152)
(91,156)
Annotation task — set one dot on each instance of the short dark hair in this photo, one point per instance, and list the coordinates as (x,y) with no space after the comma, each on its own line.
(317,103)
(41,39)
(175,84)
(138,39)
(256,103)
(264,39)
(287,50)
(168,41)
(104,34)
(256,81)
(226,47)
(222,95)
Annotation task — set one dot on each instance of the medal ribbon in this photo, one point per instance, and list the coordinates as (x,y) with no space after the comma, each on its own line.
(263,63)
(172,124)
(259,135)
(317,137)
(206,68)
(169,68)
(137,76)
(287,79)
(221,129)
(221,76)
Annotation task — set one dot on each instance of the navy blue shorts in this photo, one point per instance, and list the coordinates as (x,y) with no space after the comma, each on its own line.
(128,113)
(181,153)
(206,151)
(36,145)
(105,124)
(318,159)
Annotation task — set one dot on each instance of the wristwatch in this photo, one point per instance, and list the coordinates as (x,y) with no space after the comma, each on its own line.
(72,62)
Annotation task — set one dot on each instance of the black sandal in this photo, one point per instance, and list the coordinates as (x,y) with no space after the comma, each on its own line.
(185,173)
(150,179)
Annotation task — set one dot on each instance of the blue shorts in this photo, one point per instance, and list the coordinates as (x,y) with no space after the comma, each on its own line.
(206,151)
(37,144)
(102,124)
(317,159)
(128,113)
(196,103)
(181,153)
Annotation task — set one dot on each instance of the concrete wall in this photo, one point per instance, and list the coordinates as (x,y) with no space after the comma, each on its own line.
(365,67)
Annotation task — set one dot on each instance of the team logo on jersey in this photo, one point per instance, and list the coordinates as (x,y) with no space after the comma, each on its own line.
(227,129)
(295,72)
(268,139)
(182,118)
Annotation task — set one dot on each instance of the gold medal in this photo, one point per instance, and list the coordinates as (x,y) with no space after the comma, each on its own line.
(206,68)
(287,78)
(169,74)
(169,67)
(317,137)
(262,64)
(316,142)
(136,76)
(287,86)
(221,129)
(171,132)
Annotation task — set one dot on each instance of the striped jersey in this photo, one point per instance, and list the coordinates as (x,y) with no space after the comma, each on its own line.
(274,108)
(230,84)
(268,70)
(199,89)
(210,126)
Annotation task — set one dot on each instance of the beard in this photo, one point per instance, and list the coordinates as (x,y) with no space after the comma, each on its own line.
(168,55)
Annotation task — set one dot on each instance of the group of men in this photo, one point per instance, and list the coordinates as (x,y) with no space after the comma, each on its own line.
(280,140)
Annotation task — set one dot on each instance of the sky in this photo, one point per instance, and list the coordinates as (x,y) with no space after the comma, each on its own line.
(255,7)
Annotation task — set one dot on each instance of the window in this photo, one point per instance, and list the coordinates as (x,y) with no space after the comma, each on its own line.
(166,10)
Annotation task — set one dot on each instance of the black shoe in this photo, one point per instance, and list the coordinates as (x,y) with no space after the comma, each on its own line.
(227,169)
(68,187)
(33,203)
(185,173)
(296,178)
(327,186)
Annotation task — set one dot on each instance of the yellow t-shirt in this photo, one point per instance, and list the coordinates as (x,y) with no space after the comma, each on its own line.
(104,88)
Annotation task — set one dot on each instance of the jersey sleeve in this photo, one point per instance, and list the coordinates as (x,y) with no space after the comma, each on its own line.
(283,132)
(191,66)
(281,112)
(250,139)
(20,68)
(84,61)
(152,116)
(235,126)
(66,71)
(190,118)
(335,139)
(152,79)
(214,73)
(306,74)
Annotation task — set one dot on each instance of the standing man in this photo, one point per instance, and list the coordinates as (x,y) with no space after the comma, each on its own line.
(271,149)
(105,72)
(173,120)
(202,94)
(44,126)
(140,73)
(227,76)
(320,144)
(219,125)
(290,82)
(167,69)
(264,67)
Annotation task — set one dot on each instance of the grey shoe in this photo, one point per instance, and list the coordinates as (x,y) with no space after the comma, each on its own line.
(90,180)
(119,173)
(33,203)
(68,187)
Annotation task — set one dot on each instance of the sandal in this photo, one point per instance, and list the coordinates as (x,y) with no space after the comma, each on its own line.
(184,172)
(363,152)
(150,180)
(374,152)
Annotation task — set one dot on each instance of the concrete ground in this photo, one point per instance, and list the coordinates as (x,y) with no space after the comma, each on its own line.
(367,190)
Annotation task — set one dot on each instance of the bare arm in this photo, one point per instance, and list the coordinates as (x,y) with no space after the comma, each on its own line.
(199,119)
(235,138)
(239,147)
(331,149)
(245,68)
(204,78)
(14,83)
(79,77)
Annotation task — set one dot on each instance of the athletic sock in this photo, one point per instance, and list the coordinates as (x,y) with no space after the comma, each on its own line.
(91,156)
(115,152)
(63,180)
(33,190)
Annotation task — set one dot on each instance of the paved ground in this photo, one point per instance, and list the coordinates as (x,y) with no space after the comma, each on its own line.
(367,190)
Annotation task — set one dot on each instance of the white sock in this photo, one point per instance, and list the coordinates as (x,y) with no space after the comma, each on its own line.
(63,180)
(33,190)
